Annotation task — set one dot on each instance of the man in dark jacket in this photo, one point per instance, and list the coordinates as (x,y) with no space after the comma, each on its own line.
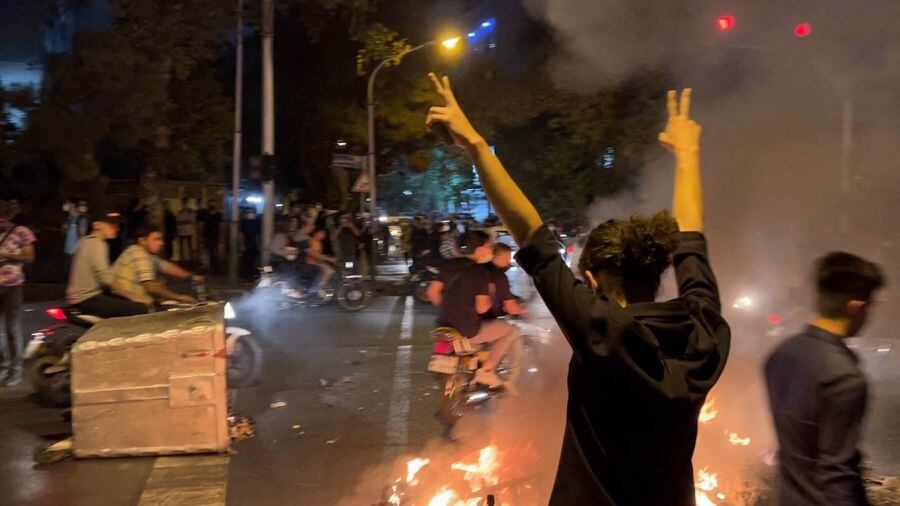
(640,369)
(817,391)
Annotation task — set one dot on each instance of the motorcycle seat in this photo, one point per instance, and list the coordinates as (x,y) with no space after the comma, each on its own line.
(76,314)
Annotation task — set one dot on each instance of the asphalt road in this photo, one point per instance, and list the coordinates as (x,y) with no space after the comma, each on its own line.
(353,404)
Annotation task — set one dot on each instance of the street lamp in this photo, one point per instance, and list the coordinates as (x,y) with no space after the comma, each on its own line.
(449,44)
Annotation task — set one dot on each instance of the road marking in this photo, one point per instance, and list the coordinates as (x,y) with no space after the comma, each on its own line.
(398,414)
(406,325)
(192,480)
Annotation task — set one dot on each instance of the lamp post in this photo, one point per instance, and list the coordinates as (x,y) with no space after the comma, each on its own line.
(236,154)
(370,99)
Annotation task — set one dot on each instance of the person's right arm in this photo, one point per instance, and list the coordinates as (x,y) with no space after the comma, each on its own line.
(843,402)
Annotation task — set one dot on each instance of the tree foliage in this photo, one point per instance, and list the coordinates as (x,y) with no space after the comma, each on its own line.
(142,93)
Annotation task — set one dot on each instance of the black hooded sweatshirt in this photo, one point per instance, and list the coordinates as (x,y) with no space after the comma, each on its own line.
(637,380)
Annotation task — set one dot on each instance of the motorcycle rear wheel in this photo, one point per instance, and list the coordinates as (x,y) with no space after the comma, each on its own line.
(354,296)
(453,398)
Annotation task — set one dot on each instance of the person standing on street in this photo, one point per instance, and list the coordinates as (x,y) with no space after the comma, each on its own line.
(817,390)
(170,227)
(16,249)
(75,226)
(212,232)
(186,230)
(249,242)
(640,369)
(346,239)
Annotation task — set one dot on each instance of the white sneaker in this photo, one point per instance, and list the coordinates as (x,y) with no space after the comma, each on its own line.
(488,378)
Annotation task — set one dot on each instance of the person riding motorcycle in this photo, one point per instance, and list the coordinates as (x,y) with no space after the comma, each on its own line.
(136,273)
(504,301)
(462,292)
(91,278)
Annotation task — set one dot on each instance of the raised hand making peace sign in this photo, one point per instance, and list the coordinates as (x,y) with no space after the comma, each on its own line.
(681,133)
(451,116)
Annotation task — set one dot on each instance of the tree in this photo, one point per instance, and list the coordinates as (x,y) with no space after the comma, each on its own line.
(140,93)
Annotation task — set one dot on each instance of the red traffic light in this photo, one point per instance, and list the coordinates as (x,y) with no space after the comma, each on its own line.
(803,30)
(725,23)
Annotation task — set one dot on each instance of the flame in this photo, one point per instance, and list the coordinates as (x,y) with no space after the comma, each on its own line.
(702,500)
(736,440)
(443,497)
(412,468)
(708,411)
(706,480)
(484,473)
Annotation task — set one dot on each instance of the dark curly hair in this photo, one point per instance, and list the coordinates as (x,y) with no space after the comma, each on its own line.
(636,250)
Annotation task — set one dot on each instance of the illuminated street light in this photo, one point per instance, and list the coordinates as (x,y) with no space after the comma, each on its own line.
(451,43)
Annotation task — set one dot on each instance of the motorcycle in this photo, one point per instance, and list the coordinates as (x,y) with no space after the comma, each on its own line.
(455,360)
(350,289)
(48,359)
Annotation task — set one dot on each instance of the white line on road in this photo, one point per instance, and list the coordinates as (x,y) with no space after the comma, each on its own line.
(398,415)
(406,325)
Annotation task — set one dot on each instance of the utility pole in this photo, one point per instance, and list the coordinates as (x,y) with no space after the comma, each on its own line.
(268,127)
(236,152)
(846,148)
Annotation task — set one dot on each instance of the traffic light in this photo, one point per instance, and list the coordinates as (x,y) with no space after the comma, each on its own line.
(725,23)
(803,30)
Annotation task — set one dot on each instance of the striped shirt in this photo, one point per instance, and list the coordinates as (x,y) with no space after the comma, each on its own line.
(133,267)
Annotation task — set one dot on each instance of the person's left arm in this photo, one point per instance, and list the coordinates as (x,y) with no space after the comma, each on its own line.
(511,204)
(843,403)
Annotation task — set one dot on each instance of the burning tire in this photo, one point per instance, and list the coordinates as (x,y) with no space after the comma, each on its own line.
(453,398)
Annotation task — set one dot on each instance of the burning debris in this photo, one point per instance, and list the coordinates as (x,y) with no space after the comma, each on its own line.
(736,440)
(478,484)
(708,412)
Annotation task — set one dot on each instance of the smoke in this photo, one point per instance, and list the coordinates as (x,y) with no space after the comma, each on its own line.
(785,121)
